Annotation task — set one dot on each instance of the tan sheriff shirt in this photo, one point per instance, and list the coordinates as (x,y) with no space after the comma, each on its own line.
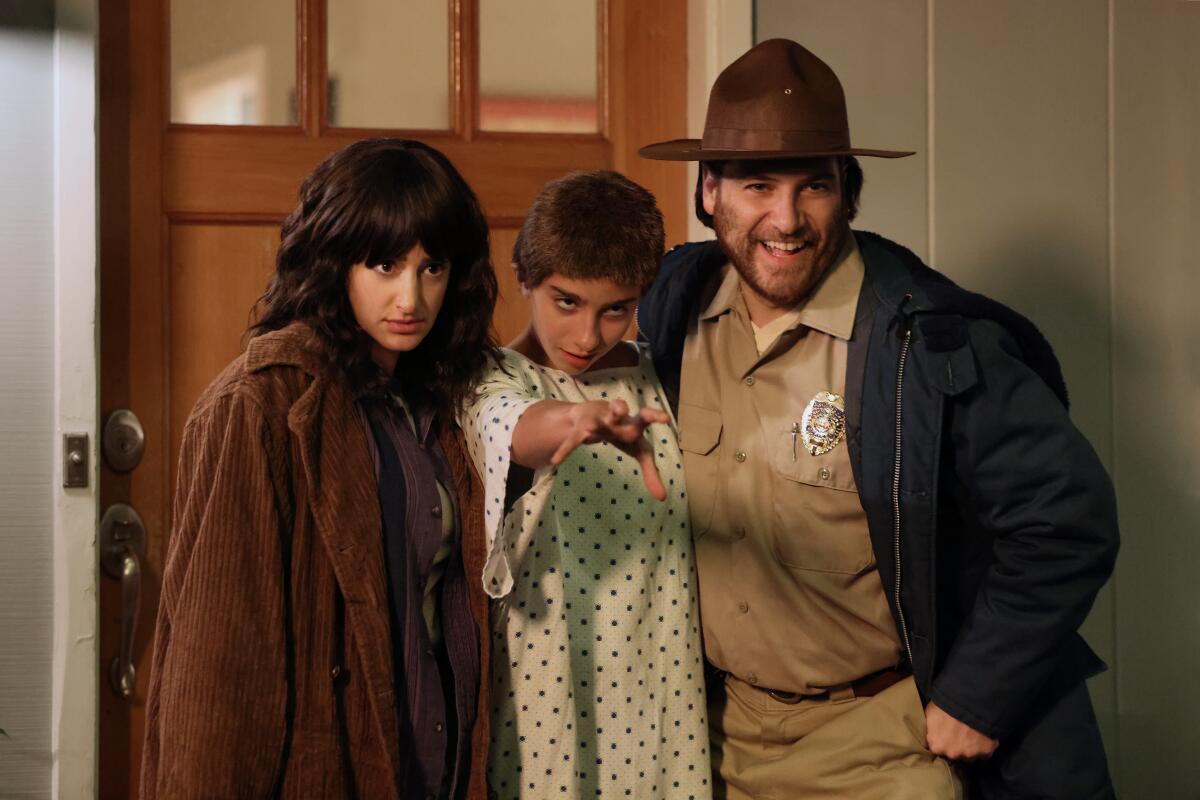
(790,597)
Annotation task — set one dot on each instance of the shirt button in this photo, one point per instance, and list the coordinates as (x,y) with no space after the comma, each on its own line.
(336,672)
(439,727)
(824,473)
(739,456)
(749,380)
(752,678)
(740,533)
(436,511)
(743,606)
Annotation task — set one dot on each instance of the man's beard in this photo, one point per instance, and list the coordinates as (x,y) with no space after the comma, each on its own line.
(780,288)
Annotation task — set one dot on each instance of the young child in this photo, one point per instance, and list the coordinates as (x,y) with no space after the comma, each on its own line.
(597,668)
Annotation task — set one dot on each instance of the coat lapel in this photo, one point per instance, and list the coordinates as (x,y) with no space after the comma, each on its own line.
(333,447)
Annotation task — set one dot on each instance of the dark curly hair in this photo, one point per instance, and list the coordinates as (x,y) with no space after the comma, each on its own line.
(372,201)
(852,183)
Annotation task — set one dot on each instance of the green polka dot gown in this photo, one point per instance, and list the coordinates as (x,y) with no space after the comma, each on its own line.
(597,668)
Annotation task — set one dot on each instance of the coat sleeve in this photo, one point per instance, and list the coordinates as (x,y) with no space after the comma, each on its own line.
(1035,483)
(216,716)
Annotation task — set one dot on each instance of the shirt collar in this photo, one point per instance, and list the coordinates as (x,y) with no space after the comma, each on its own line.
(829,307)
(418,419)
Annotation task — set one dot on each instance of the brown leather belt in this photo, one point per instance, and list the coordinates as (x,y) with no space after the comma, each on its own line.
(867,686)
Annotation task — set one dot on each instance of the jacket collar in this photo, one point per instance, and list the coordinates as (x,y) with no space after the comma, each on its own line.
(296,345)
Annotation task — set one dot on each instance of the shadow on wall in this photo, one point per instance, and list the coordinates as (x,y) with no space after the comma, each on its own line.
(1157,398)
(28,15)
(1050,273)
(45,16)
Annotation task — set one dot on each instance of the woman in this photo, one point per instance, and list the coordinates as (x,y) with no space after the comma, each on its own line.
(317,634)
(598,675)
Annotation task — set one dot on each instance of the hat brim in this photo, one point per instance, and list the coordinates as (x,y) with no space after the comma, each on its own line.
(690,150)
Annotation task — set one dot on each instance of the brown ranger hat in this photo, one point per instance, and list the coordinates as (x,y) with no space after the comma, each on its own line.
(777,101)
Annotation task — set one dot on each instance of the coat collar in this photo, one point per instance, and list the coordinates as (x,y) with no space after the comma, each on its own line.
(296,345)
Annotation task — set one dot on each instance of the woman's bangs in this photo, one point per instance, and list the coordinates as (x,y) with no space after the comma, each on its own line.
(410,205)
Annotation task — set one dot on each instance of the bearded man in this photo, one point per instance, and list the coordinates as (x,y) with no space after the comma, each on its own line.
(898,529)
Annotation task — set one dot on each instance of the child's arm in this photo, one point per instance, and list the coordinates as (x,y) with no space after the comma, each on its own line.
(549,430)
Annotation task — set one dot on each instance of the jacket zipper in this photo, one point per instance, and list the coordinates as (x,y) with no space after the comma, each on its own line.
(896,491)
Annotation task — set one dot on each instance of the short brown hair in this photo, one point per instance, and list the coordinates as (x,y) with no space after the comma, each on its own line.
(594,226)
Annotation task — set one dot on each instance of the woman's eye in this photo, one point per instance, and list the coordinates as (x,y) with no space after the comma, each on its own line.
(384,267)
(435,267)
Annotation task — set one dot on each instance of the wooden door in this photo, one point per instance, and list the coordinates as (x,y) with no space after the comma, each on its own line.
(190,219)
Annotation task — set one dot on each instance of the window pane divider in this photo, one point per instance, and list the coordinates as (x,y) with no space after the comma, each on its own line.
(464,66)
(311,81)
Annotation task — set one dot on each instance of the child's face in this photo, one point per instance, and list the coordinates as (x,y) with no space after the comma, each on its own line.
(397,301)
(577,321)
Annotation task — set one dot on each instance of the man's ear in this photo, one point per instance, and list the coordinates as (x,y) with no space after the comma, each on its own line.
(708,188)
(517,272)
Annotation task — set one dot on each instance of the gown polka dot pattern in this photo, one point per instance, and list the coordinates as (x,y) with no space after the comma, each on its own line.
(597,668)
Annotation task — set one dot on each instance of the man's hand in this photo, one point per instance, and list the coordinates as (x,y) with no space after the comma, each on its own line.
(949,738)
(603,421)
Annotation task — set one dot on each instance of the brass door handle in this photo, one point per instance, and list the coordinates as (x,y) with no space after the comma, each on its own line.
(122,546)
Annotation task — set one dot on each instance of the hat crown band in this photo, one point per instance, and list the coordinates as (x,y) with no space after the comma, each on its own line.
(777,140)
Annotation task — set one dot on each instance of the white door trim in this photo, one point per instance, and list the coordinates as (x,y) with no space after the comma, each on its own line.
(718,32)
(74,728)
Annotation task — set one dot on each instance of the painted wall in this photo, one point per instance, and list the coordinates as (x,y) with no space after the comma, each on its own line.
(26,410)
(48,677)
(1058,169)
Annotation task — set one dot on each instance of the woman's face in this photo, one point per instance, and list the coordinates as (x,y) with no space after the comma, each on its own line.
(396,302)
(577,321)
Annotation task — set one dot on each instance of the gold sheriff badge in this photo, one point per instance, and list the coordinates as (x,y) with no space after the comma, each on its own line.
(824,423)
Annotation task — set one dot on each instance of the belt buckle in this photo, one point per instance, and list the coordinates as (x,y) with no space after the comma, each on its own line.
(791,698)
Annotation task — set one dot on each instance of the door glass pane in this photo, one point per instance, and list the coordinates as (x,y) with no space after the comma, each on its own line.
(537,66)
(389,64)
(233,62)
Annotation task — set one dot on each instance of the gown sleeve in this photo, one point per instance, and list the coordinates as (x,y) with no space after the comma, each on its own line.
(488,423)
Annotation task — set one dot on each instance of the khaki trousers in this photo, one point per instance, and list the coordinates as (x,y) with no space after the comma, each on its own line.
(870,748)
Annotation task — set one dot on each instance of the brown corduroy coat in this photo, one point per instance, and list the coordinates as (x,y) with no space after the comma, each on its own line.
(272,659)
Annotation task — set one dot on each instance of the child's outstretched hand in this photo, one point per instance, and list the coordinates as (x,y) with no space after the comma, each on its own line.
(610,421)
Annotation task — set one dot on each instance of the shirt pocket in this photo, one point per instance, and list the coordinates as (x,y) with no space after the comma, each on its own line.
(820,523)
(700,441)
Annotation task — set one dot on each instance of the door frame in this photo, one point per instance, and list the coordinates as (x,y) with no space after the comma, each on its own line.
(76,677)
(718,32)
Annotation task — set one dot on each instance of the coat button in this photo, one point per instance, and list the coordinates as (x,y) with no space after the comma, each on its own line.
(439,727)
(752,679)
(339,675)
(824,473)
(743,606)
(749,380)
(739,533)
(739,456)
(436,511)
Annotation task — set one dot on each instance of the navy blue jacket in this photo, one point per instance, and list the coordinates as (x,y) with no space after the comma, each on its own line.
(992,519)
